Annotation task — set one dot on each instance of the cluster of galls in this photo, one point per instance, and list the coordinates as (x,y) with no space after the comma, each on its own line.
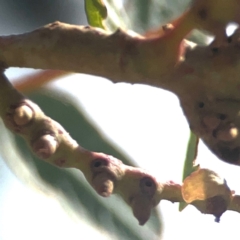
(25,119)
(108,175)
(105,173)
(216,119)
(217,122)
(204,189)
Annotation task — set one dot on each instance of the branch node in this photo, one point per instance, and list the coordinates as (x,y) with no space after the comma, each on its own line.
(45,146)
(23,115)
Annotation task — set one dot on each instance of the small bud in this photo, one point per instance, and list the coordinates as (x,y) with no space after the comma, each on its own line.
(103,184)
(45,146)
(167,27)
(207,191)
(23,115)
(141,208)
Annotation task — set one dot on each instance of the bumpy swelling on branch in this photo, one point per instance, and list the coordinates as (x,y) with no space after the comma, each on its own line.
(141,191)
(206,80)
(50,142)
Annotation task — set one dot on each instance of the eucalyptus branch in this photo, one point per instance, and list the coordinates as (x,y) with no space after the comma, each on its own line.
(106,174)
(197,75)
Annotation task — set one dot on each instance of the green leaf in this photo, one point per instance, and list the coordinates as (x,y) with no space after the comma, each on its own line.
(69,185)
(189,166)
(110,12)
(96,12)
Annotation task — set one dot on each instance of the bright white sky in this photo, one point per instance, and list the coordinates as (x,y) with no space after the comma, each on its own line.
(149,125)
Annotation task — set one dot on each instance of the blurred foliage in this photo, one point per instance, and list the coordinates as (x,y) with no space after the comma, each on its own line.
(25,15)
(151,14)
(138,15)
(147,14)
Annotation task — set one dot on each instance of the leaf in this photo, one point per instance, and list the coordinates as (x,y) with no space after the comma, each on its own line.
(191,155)
(69,185)
(207,191)
(111,12)
(96,12)
(203,184)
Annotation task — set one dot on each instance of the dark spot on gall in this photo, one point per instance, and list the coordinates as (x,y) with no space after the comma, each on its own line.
(215,50)
(222,116)
(202,14)
(201,105)
(229,39)
(214,133)
(147,186)
(148,183)
(99,163)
